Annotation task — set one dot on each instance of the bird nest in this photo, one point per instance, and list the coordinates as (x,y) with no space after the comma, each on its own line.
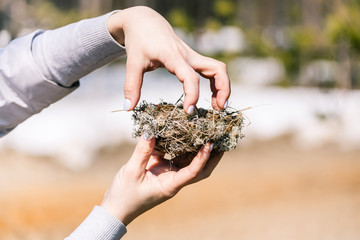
(178,133)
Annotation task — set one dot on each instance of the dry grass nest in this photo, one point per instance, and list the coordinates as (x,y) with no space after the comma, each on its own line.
(178,133)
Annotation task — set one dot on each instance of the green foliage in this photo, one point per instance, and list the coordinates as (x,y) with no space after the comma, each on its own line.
(294,14)
(335,32)
(304,44)
(343,31)
(225,11)
(179,18)
(257,45)
(49,16)
(213,24)
(224,8)
(344,26)
(356,74)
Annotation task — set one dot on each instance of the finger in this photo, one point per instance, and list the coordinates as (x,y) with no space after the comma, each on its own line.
(191,90)
(216,71)
(133,82)
(142,154)
(155,158)
(189,78)
(160,166)
(187,174)
(213,97)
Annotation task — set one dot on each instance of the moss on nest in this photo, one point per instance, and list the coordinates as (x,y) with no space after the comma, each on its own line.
(178,133)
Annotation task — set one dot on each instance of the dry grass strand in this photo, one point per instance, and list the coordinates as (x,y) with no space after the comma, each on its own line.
(178,133)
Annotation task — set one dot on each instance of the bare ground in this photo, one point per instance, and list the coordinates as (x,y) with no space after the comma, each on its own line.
(269,190)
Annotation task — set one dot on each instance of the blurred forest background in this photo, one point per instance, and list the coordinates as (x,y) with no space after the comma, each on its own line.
(311,42)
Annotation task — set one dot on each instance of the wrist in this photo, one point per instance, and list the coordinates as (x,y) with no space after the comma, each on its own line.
(115,26)
(115,209)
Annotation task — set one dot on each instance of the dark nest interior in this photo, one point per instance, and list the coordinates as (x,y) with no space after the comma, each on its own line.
(180,134)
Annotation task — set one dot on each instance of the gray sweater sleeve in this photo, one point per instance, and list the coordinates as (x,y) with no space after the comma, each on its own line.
(43,67)
(99,225)
(66,54)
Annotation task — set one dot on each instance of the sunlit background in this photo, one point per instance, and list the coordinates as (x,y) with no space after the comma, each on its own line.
(295,72)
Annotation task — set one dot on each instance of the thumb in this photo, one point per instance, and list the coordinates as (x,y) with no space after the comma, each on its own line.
(133,83)
(142,153)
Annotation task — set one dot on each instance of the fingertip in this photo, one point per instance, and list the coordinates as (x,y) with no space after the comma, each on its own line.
(222,101)
(133,82)
(190,109)
(127,104)
(208,147)
(141,154)
(190,100)
(204,152)
(211,146)
(145,144)
(187,75)
(226,104)
(146,136)
(131,100)
(191,96)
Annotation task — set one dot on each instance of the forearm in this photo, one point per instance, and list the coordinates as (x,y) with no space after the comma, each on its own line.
(66,54)
(99,225)
(23,89)
(43,67)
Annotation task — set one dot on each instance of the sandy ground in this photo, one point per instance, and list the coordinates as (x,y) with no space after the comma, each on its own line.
(268,190)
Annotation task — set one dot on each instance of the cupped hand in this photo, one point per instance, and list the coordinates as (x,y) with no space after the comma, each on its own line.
(147,180)
(151,43)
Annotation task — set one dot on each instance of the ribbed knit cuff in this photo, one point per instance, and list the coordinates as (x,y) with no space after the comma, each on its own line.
(66,54)
(97,40)
(99,225)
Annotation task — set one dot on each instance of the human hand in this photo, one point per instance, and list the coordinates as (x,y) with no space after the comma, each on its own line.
(146,180)
(152,43)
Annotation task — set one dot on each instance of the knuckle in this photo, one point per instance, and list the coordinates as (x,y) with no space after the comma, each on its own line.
(195,78)
(192,81)
(132,62)
(143,151)
(222,66)
(130,89)
(190,93)
(192,174)
(170,193)
(146,8)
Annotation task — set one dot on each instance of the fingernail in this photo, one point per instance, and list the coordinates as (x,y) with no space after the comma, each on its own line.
(211,147)
(190,109)
(146,136)
(127,104)
(226,104)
